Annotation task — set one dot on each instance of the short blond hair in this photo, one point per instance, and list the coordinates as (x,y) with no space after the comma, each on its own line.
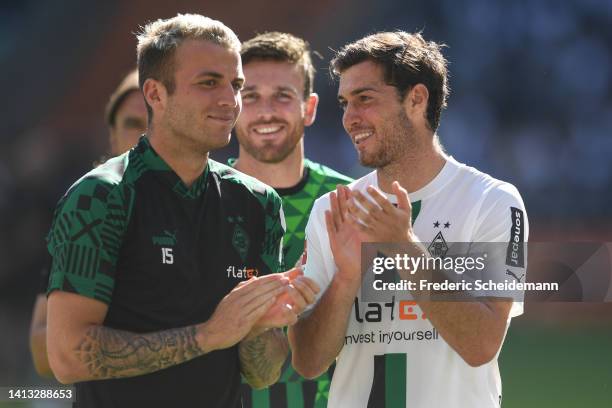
(159,40)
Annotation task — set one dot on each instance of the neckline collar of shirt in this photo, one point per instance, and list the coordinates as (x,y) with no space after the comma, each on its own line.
(286,191)
(153,161)
(451,167)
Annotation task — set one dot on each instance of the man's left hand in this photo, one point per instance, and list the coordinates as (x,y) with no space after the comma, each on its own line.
(379,220)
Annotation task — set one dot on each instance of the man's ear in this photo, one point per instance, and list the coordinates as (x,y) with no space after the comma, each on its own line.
(415,102)
(155,94)
(311,109)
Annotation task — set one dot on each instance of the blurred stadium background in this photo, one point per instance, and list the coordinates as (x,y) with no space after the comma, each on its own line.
(531,103)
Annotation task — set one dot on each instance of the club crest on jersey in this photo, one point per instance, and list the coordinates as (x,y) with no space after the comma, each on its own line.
(240,238)
(438,247)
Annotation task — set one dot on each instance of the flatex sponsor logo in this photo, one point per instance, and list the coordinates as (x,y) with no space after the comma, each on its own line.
(241,273)
(515,255)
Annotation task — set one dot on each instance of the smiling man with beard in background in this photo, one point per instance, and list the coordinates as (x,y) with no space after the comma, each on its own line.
(278,104)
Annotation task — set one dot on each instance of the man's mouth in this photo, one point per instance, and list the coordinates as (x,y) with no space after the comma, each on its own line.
(267,129)
(361,136)
(223,118)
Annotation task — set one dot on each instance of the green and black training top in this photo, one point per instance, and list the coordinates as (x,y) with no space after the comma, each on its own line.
(161,255)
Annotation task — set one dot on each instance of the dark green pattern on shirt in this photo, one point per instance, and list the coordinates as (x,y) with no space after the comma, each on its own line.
(91,219)
(87,232)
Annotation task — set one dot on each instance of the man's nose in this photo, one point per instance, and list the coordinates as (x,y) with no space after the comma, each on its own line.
(229,97)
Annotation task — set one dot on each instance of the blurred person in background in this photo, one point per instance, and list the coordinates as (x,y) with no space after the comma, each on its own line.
(393,88)
(126,115)
(163,287)
(278,104)
(126,118)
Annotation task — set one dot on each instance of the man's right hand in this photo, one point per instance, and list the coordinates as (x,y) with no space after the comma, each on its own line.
(239,310)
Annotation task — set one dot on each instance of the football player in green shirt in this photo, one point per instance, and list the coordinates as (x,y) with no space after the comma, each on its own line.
(278,104)
(157,295)
(126,117)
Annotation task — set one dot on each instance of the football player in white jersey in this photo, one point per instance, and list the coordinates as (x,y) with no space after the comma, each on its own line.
(409,351)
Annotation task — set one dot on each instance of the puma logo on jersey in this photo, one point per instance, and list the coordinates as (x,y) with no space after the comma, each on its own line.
(510,273)
(167,239)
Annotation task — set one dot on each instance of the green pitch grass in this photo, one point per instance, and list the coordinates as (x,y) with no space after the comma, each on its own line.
(557,367)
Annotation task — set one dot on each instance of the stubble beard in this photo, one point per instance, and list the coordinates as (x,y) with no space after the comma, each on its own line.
(395,139)
(188,136)
(270,153)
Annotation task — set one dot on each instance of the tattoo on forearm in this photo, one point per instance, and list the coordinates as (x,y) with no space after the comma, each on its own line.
(110,353)
(262,359)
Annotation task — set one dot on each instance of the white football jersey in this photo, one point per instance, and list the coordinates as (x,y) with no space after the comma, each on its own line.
(393,357)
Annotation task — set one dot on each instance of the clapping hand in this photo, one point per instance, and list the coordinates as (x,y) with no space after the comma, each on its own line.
(378,220)
(297,296)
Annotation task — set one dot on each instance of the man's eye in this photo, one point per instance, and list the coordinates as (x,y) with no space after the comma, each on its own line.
(237,86)
(208,82)
(364,98)
(249,97)
(342,105)
(284,96)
